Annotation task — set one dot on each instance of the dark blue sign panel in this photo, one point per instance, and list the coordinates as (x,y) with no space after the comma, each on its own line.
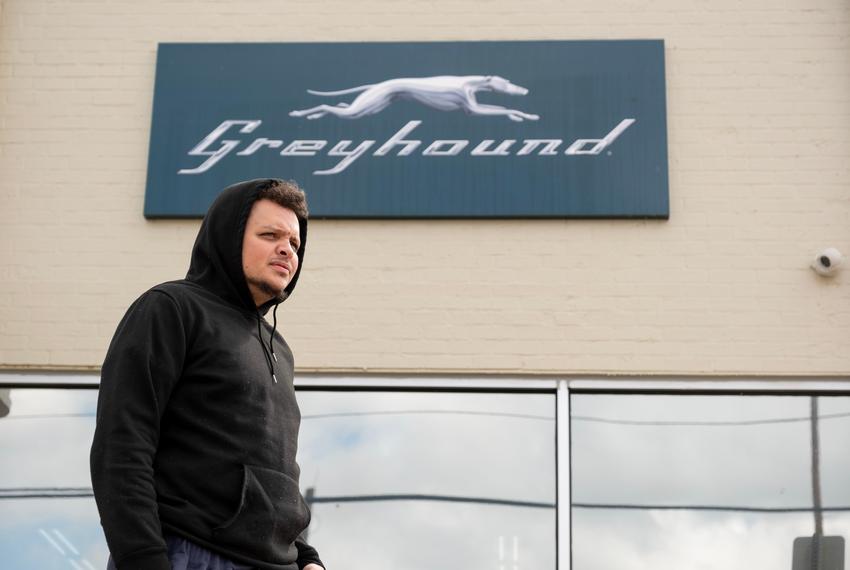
(415,130)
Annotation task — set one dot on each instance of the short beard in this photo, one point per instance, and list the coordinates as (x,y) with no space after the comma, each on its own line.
(266,288)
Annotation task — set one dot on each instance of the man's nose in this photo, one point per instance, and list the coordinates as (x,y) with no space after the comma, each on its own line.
(284,249)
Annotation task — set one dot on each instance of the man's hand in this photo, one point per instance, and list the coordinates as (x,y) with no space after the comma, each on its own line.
(313,567)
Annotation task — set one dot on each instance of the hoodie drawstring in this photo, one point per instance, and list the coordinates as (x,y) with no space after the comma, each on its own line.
(274,330)
(271,357)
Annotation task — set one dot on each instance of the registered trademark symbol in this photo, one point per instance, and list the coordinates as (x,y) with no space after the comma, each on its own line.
(609,153)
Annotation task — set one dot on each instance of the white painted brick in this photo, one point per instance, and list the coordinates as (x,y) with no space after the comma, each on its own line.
(757,114)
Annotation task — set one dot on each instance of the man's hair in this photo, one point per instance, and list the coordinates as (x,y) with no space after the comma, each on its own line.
(286,193)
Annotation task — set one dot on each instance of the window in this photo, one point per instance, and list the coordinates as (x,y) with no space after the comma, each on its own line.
(492,474)
(49,516)
(667,481)
(424,480)
(395,477)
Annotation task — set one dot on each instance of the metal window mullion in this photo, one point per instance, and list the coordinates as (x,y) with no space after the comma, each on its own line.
(562,453)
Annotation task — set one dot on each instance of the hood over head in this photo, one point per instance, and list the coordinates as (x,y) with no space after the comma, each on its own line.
(217,254)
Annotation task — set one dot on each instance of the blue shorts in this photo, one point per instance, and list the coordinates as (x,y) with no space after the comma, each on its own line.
(185,555)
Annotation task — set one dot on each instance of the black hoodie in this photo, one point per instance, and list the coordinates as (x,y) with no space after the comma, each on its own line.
(197,422)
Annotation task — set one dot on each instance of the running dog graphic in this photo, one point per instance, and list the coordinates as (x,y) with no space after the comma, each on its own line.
(445,92)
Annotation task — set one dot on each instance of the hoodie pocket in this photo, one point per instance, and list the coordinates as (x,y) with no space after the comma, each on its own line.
(270,516)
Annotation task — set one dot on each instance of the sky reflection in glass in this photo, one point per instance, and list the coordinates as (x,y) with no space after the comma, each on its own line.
(722,482)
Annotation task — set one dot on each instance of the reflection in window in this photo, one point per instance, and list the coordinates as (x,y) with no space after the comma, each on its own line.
(723,482)
(430,480)
(396,480)
(49,519)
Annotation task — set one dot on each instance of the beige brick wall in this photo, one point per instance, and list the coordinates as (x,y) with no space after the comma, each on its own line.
(759,147)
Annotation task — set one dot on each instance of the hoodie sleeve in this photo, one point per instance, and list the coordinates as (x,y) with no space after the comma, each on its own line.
(306,554)
(142,366)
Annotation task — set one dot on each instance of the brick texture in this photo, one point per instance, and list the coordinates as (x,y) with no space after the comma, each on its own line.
(758,97)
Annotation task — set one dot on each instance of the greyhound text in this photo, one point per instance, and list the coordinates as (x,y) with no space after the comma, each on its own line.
(214,147)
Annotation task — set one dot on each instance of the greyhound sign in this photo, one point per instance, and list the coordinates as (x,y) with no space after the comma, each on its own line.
(551,129)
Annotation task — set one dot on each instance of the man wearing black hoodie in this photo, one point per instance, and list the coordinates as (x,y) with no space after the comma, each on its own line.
(193,458)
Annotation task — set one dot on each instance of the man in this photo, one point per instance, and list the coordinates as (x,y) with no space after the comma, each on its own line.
(193,459)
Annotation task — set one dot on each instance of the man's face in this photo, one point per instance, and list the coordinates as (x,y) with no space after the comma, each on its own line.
(269,258)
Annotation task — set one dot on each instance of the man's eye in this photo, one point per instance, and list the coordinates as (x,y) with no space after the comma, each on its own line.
(294,245)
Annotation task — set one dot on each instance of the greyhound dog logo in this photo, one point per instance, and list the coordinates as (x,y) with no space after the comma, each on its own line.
(444,92)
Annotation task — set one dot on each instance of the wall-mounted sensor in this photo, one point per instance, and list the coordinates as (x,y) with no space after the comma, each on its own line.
(826,262)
